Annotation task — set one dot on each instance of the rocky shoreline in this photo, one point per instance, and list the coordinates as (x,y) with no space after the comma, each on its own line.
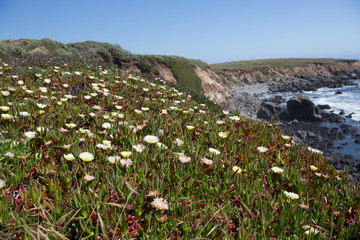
(320,131)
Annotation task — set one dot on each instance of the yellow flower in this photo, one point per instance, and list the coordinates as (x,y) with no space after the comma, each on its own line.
(125,154)
(313,168)
(291,195)
(237,170)
(285,137)
(70,125)
(6,116)
(4,108)
(190,127)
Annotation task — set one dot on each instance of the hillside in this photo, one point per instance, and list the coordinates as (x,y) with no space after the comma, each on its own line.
(215,81)
(89,151)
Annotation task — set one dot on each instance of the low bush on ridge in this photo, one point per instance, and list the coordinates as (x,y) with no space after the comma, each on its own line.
(91,152)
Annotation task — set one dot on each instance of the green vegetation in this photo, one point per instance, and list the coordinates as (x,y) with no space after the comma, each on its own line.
(102,154)
(184,74)
(266,63)
(103,53)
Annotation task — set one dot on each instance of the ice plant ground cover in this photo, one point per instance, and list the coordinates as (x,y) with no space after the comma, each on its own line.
(125,180)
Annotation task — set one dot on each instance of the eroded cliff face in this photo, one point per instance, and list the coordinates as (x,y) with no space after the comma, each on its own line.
(214,88)
(341,70)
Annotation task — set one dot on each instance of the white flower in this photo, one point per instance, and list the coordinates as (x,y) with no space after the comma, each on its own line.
(161,145)
(42,129)
(223,134)
(89,177)
(87,97)
(138,111)
(139,148)
(151,139)
(179,142)
(315,150)
(291,195)
(145,109)
(113,159)
(86,156)
(206,161)
(106,125)
(41,105)
(310,230)
(65,85)
(160,204)
(184,159)
(47,80)
(214,151)
(226,112)
(103,146)
(219,122)
(277,170)
(2,183)
(43,89)
(235,118)
(126,162)
(5,93)
(30,135)
(262,149)
(20,82)
(69,157)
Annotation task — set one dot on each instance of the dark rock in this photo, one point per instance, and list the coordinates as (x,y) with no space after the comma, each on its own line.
(342,112)
(311,135)
(324,106)
(332,117)
(350,115)
(302,108)
(357,141)
(269,110)
(338,92)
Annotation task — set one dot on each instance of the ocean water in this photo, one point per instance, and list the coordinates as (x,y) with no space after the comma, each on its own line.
(348,101)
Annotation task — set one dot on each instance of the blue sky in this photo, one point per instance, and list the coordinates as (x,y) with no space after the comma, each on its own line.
(213,31)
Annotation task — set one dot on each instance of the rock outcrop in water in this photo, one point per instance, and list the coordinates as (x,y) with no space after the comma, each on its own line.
(302,108)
